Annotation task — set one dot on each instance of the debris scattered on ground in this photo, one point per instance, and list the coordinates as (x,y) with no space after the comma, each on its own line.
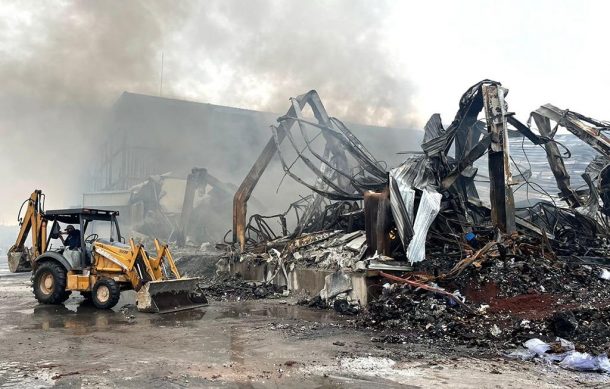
(234,288)
(486,271)
(508,299)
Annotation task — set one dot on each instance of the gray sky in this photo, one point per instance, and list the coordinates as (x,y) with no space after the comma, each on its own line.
(379,62)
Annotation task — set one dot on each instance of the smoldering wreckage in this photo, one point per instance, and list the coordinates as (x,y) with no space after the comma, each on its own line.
(416,253)
(458,245)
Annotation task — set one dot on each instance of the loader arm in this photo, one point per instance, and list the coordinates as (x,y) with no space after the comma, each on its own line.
(140,269)
(159,289)
(164,257)
(144,268)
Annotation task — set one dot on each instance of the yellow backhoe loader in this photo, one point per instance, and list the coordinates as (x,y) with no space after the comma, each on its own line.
(101,267)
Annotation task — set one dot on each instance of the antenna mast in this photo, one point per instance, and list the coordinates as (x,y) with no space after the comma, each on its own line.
(161,84)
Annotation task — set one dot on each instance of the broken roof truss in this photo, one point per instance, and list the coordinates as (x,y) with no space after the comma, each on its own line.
(435,191)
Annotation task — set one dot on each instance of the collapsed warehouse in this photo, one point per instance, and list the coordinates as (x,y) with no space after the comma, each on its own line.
(418,251)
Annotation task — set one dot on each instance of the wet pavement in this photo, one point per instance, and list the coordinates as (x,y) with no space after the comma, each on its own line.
(253,344)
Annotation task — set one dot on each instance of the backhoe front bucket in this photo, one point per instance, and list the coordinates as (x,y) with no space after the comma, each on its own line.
(170,296)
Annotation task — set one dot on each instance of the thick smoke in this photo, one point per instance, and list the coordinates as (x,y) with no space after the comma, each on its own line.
(265,51)
(64,64)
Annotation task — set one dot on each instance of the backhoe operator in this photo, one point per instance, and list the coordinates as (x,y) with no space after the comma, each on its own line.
(71,243)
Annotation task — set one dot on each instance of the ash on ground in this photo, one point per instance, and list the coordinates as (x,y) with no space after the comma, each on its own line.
(235,288)
(505,302)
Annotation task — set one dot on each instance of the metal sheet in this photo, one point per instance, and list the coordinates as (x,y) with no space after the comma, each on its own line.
(414,173)
(429,207)
(434,128)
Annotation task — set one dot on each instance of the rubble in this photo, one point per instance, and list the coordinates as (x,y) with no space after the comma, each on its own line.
(205,262)
(471,245)
(505,306)
(210,264)
(234,288)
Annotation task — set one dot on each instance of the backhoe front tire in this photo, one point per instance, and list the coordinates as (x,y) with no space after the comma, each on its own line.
(50,283)
(105,293)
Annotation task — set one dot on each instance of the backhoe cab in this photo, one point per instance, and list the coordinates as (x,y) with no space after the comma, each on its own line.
(102,266)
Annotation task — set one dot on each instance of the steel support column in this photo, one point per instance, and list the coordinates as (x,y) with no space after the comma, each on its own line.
(501,194)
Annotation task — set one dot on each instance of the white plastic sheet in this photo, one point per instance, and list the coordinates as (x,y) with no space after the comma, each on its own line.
(570,359)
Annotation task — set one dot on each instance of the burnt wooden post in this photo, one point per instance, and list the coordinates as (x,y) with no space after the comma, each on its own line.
(501,194)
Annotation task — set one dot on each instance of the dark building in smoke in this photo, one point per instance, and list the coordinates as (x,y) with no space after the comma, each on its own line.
(149,135)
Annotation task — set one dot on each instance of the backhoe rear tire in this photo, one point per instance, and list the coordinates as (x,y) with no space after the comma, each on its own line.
(105,293)
(50,283)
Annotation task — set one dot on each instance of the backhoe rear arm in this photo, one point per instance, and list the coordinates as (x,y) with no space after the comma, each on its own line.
(33,222)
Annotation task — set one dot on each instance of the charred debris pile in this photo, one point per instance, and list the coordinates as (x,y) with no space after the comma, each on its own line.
(452,247)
